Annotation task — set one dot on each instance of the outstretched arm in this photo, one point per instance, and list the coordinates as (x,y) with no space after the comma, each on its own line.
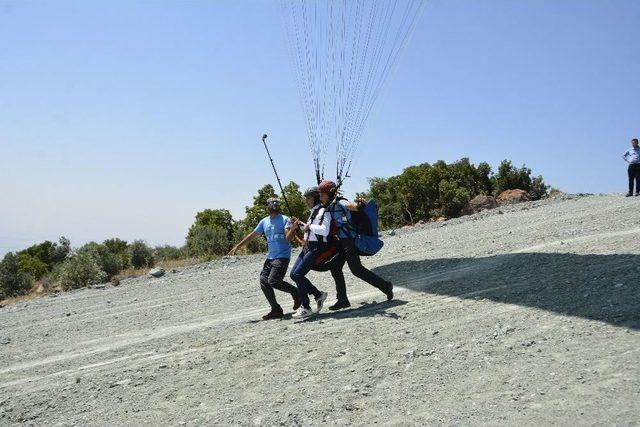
(247,239)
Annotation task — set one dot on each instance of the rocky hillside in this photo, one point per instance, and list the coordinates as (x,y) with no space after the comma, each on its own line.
(524,314)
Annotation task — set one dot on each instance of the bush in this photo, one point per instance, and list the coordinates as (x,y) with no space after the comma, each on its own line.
(538,189)
(61,251)
(109,262)
(80,270)
(207,242)
(453,198)
(120,248)
(509,177)
(296,202)
(140,254)
(258,245)
(47,253)
(426,190)
(32,265)
(12,281)
(167,253)
(391,215)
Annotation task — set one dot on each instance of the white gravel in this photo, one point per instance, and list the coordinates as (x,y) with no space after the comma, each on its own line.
(528,314)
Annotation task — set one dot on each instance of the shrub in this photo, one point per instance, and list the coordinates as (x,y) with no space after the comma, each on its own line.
(61,251)
(258,245)
(207,242)
(538,189)
(453,198)
(296,202)
(109,262)
(32,265)
(509,177)
(120,248)
(80,270)
(425,190)
(12,281)
(48,253)
(140,254)
(167,253)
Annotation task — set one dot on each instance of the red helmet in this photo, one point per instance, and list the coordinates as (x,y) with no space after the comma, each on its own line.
(328,187)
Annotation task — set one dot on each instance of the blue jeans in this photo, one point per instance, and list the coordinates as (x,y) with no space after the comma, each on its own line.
(300,269)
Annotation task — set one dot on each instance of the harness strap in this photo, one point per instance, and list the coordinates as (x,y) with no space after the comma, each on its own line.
(314,214)
(346,226)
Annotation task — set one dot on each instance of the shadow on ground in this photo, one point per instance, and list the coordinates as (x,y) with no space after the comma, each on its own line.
(365,309)
(362,310)
(597,287)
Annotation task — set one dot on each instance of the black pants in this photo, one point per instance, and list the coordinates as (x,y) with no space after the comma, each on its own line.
(634,174)
(272,277)
(350,254)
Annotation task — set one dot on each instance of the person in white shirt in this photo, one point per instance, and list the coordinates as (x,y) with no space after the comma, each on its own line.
(633,171)
(316,231)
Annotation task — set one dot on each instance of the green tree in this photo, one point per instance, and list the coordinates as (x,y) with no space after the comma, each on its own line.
(61,251)
(423,191)
(212,233)
(509,177)
(207,242)
(41,258)
(120,248)
(258,209)
(167,253)
(538,188)
(296,202)
(32,265)
(141,254)
(108,261)
(452,198)
(13,282)
(80,270)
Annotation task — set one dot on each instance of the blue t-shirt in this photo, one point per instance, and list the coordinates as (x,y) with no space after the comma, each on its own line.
(274,231)
(342,216)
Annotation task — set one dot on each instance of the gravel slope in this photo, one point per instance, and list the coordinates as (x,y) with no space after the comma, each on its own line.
(528,314)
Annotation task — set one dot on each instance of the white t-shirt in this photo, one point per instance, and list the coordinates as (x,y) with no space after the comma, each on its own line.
(632,156)
(318,225)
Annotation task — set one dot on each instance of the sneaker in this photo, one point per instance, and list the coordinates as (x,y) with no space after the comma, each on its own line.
(340,304)
(637,193)
(628,195)
(297,302)
(273,314)
(320,300)
(302,313)
(389,291)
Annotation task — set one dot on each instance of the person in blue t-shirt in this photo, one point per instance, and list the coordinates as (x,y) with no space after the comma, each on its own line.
(633,171)
(274,228)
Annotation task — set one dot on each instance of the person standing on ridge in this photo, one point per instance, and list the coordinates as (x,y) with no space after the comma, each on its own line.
(274,228)
(633,158)
(340,213)
(316,232)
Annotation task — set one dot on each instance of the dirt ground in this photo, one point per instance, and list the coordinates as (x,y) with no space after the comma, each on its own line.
(528,314)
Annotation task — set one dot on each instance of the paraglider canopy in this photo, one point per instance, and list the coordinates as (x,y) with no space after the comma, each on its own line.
(343,52)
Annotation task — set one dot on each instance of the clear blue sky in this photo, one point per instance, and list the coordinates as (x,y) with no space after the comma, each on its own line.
(125,118)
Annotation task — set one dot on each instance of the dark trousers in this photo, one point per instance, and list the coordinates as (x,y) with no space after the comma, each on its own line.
(300,269)
(634,175)
(352,257)
(272,277)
